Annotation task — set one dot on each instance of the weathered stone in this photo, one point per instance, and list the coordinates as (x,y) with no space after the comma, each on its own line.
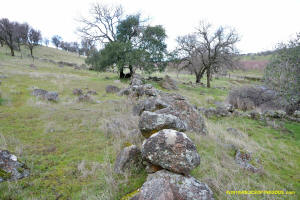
(235,132)
(125,91)
(151,123)
(52,96)
(168,83)
(182,109)
(77,91)
(254,115)
(243,158)
(165,185)
(39,92)
(92,92)
(171,150)
(112,89)
(150,104)
(84,98)
(128,159)
(297,114)
(45,95)
(10,167)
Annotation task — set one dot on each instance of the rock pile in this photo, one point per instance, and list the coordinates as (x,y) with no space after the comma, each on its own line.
(45,95)
(168,83)
(10,167)
(170,154)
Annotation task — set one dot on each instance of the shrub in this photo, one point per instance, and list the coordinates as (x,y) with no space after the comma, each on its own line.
(248,98)
(283,73)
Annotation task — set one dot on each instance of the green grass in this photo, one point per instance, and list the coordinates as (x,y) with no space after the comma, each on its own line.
(70,150)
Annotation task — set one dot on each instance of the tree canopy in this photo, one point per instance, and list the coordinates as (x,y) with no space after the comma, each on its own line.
(128,43)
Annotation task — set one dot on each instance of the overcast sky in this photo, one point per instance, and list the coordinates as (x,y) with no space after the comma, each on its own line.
(260,23)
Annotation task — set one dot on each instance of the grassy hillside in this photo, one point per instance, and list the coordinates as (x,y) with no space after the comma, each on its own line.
(70,147)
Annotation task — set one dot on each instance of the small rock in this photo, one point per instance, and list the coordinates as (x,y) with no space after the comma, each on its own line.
(92,92)
(165,185)
(128,159)
(85,98)
(112,89)
(10,167)
(77,91)
(52,96)
(297,114)
(235,132)
(125,91)
(151,123)
(171,150)
(168,83)
(243,158)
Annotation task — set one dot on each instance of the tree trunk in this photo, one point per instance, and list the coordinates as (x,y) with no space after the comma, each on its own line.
(12,51)
(31,52)
(131,70)
(198,78)
(1,43)
(208,77)
(122,75)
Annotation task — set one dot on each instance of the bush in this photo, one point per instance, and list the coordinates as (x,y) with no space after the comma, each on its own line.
(248,98)
(283,73)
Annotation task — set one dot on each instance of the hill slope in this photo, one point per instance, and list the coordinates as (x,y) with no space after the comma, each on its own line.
(70,146)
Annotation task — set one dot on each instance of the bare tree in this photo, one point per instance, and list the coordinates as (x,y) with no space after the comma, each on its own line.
(215,47)
(187,46)
(7,30)
(56,40)
(33,39)
(101,26)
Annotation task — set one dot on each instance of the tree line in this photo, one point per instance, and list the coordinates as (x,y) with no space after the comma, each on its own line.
(129,42)
(14,34)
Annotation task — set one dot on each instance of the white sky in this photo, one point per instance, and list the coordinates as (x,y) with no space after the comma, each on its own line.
(260,23)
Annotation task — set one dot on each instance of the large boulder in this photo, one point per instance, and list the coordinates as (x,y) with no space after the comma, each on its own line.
(182,109)
(168,83)
(112,89)
(174,104)
(10,167)
(151,122)
(149,104)
(128,159)
(171,150)
(165,185)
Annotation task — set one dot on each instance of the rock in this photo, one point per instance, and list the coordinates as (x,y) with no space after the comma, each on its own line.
(235,132)
(182,109)
(11,168)
(151,123)
(136,81)
(84,98)
(117,81)
(39,92)
(168,83)
(112,89)
(149,104)
(128,159)
(52,96)
(150,168)
(45,95)
(125,91)
(243,158)
(296,114)
(165,185)
(171,150)
(254,115)
(77,92)
(92,92)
